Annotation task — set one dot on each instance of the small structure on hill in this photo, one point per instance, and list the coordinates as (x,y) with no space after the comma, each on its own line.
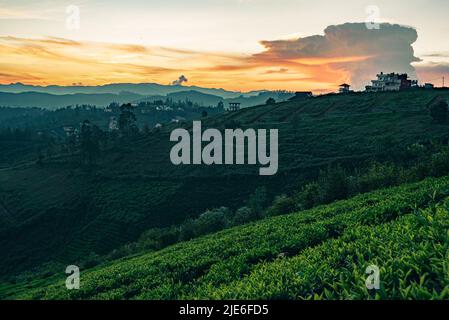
(113,124)
(429,86)
(299,95)
(391,82)
(234,106)
(345,88)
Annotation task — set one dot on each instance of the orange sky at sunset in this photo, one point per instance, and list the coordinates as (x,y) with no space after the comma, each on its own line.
(65,62)
(222,44)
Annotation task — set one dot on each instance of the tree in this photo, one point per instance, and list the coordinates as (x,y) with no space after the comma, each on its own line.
(270,101)
(258,201)
(146,129)
(212,221)
(281,205)
(439,112)
(220,106)
(204,114)
(127,120)
(242,215)
(333,184)
(89,142)
(296,121)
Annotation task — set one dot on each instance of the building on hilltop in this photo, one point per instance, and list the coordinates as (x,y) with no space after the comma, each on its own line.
(113,124)
(301,95)
(344,88)
(234,106)
(391,82)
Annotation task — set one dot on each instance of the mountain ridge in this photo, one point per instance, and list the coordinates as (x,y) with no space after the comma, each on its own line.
(138,88)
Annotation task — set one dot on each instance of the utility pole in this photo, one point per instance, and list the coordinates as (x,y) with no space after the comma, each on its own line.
(443,81)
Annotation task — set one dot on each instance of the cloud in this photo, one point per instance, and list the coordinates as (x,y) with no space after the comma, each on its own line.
(179,81)
(437,55)
(433,72)
(344,53)
(279,70)
(351,52)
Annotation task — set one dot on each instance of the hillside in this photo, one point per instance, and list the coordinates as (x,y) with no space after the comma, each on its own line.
(51,101)
(115,88)
(134,186)
(314,254)
(37,99)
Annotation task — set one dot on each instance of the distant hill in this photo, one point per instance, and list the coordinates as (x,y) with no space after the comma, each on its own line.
(190,95)
(145,89)
(261,98)
(212,100)
(51,101)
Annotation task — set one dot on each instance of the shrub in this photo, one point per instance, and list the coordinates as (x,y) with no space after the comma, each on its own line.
(309,196)
(282,205)
(158,238)
(439,112)
(270,101)
(91,260)
(333,184)
(187,230)
(212,220)
(258,201)
(242,215)
(440,163)
(377,176)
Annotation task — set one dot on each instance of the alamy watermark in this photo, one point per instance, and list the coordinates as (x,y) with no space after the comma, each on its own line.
(73,280)
(373,280)
(189,150)
(372,21)
(73,19)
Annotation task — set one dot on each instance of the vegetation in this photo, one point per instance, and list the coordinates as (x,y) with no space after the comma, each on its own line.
(109,194)
(313,254)
(439,111)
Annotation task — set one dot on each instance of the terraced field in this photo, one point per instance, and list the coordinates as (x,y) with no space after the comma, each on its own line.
(313,254)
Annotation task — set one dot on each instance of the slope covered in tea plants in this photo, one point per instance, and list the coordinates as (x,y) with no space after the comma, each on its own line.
(318,253)
(134,186)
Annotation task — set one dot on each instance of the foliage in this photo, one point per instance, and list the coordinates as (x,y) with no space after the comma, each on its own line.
(127,120)
(270,101)
(439,112)
(325,252)
(135,187)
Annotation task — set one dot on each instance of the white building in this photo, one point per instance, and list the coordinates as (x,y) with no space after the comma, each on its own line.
(391,82)
(113,124)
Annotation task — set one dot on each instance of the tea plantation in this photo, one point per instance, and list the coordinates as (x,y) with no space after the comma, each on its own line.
(53,211)
(321,253)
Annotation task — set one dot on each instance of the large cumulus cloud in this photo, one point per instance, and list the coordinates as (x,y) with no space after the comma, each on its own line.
(354,50)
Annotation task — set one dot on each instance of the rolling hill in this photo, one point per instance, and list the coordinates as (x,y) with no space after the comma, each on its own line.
(32,99)
(320,253)
(134,186)
(145,89)
(52,101)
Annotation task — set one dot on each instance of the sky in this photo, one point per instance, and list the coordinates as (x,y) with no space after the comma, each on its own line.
(233,44)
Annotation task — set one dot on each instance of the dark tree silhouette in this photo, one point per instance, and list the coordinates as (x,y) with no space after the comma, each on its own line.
(89,142)
(270,101)
(439,112)
(127,120)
